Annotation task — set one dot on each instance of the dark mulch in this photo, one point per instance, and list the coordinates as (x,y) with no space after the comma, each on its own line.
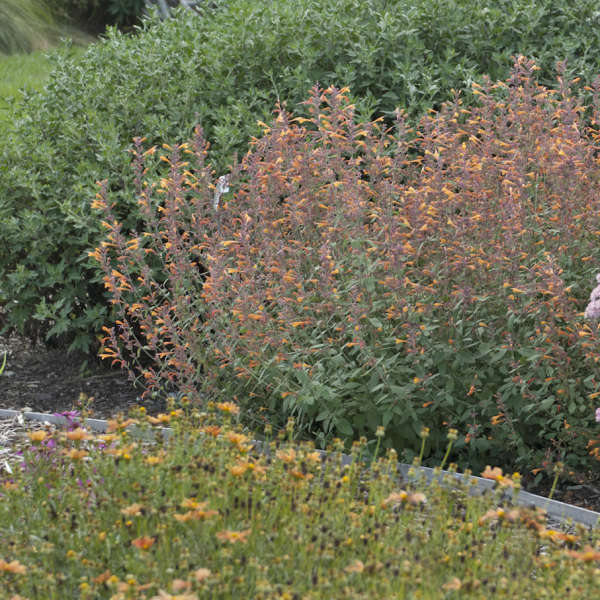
(50,380)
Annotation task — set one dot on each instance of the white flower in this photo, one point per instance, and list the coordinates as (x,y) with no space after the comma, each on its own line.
(222,188)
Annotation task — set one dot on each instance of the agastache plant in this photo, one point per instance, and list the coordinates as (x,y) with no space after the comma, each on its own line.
(361,277)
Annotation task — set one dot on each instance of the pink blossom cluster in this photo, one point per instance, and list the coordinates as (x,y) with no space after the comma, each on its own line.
(592,310)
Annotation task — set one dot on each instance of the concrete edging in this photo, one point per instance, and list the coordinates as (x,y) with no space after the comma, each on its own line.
(555,509)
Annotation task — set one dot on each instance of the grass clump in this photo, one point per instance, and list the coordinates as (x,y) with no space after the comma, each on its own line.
(26,25)
(358,277)
(225,69)
(206,515)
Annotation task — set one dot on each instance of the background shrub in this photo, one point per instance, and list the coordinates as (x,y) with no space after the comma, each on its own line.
(225,69)
(363,278)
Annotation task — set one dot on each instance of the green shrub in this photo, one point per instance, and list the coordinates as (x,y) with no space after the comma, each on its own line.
(225,70)
(361,279)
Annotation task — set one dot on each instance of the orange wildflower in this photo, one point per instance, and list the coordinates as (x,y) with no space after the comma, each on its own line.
(496,475)
(212,430)
(143,543)
(202,574)
(589,554)
(160,418)
(75,454)
(287,456)
(355,567)
(12,567)
(228,407)
(134,510)
(234,536)
(78,435)
(195,515)
(37,436)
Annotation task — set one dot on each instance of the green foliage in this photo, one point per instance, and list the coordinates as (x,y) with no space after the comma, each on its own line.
(126,12)
(225,70)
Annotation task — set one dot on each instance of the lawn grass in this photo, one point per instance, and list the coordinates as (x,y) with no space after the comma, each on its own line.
(29,72)
(206,516)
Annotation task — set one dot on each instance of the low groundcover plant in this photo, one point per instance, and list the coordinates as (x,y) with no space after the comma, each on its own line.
(204,515)
(357,277)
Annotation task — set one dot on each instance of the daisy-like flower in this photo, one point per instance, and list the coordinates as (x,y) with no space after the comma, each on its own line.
(162,595)
(75,454)
(234,536)
(212,430)
(195,515)
(404,497)
(202,574)
(228,407)
(496,475)
(589,554)
(355,567)
(78,435)
(143,543)
(286,456)
(160,418)
(12,567)
(134,510)
(37,436)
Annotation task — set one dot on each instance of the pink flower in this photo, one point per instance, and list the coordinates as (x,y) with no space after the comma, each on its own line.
(592,310)
(598,415)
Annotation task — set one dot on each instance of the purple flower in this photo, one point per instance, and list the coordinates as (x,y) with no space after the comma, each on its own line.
(598,415)
(71,417)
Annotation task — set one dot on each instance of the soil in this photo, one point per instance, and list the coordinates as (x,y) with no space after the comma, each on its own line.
(51,381)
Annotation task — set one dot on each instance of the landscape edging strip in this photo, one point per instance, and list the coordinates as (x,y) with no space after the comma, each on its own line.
(554,508)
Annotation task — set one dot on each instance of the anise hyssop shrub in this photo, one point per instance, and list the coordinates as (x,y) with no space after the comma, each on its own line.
(359,277)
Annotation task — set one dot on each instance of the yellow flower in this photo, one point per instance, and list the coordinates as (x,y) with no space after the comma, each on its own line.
(153,460)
